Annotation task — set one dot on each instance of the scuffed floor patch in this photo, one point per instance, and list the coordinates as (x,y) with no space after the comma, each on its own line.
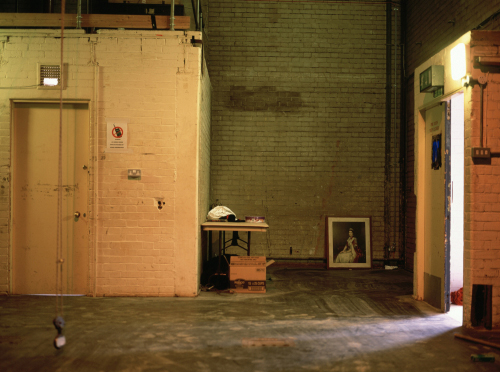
(271,342)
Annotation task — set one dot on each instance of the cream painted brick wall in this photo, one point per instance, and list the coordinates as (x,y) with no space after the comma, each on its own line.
(204,148)
(134,244)
(4,174)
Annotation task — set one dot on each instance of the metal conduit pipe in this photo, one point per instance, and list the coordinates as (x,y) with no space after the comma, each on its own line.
(79,15)
(195,14)
(172,18)
(481,115)
(403,138)
(388,125)
(198,16)
(395,227)
(95,169)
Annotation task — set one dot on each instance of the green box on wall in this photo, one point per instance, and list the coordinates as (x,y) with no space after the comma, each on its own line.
(432,79)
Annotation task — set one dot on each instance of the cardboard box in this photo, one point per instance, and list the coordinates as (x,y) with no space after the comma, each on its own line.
(247,274)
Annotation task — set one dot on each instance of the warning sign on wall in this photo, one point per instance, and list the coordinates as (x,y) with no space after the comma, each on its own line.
(116,135)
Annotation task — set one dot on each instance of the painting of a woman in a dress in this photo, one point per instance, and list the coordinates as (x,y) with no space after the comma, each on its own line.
(351,252)
(348,242)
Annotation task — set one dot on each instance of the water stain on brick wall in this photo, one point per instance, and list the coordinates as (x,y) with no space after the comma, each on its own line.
(264,98)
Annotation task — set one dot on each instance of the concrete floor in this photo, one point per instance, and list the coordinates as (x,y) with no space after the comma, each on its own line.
(309,320)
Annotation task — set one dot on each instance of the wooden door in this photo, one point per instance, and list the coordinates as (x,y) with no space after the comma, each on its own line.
(35,169)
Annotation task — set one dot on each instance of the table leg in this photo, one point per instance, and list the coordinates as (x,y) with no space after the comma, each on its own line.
(224,243)
(209,245)
(248,244)
(221,247)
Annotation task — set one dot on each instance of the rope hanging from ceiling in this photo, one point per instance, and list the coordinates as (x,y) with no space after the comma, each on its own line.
(58,322)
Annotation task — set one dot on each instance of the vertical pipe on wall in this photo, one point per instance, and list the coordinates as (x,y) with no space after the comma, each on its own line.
(96,174)
(195,13)
(402,139)
(388,100)
(201,20)
(481,115)
(79,15)
(395,123)
(95,165)
(198,15)
(172,18)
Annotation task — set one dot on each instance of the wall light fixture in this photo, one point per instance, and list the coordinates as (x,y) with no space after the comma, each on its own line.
(457,57)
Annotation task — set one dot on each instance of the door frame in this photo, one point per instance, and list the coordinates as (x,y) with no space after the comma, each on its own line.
(420,112)
(447,203)
(90,199)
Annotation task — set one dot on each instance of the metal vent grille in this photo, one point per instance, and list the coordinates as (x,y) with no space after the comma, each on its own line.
(48,74)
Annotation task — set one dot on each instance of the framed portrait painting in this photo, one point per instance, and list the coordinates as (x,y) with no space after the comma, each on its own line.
(348,242)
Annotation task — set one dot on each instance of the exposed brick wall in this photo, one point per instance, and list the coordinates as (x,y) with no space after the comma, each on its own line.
(411,200)
(482,227)
(428,30)
(138,72)
(299,119)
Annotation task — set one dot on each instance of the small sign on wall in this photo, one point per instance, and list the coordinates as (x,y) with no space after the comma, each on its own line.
(436,151)
(434,126)
(116,134)
(432,79)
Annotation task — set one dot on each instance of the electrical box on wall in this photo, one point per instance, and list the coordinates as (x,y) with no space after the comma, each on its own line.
(432,79)
(134,174)
(481,152)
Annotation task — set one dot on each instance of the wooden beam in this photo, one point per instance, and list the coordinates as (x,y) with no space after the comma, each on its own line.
(477,340)
(92,20)
(34,20)
(116,21)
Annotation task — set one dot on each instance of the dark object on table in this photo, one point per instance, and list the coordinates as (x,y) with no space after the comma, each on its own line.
(255,219)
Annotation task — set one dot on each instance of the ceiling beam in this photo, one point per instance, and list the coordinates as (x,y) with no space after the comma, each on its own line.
(92,21)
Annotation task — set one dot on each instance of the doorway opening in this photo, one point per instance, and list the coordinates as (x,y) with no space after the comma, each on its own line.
(456,202)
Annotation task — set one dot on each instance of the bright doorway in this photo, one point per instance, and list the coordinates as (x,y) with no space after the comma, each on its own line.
(35,154)
(456,232)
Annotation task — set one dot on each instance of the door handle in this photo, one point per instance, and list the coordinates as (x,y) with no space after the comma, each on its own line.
(77,214)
